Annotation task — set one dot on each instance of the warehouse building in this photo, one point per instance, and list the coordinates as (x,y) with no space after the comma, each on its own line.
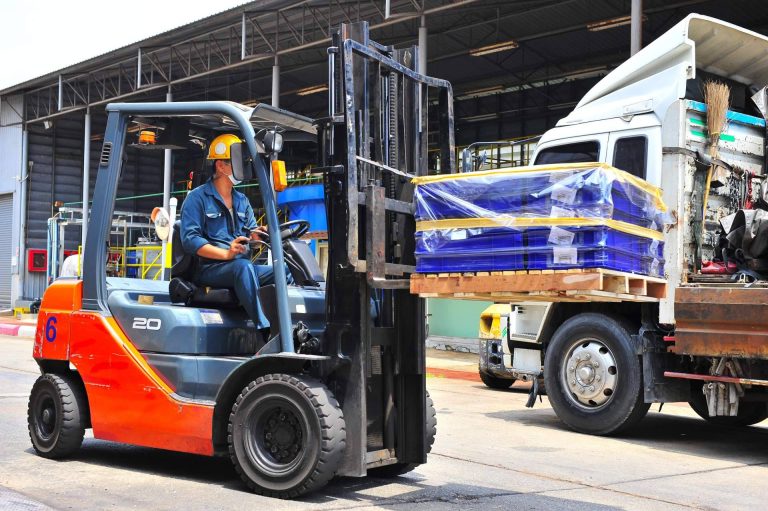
(517,67)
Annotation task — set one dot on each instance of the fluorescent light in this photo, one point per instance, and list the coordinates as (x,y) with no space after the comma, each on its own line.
(596,26)
(493,48)
(481,117)
(484,90)
(312,90)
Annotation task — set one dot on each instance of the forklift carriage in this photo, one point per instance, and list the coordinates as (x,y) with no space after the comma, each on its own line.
(340,388)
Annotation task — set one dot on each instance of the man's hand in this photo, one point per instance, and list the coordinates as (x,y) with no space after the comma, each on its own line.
(238,246)
(256,233)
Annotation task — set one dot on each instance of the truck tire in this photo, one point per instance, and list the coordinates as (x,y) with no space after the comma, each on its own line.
(750,413)
(56,416)
(286,435)
(594,378)
(495,382)
(398,469)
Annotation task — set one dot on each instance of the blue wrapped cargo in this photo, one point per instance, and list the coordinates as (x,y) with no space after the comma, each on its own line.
(548,217)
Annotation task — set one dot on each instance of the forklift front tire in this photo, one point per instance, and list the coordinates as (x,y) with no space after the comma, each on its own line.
(286,435)
(56,416)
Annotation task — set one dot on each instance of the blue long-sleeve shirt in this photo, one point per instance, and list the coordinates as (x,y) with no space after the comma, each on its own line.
(205,219)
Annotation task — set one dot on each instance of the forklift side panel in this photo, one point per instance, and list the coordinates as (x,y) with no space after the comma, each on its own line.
(53,322)
(129,401)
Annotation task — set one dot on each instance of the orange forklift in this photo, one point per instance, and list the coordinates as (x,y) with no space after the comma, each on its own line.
(340,387)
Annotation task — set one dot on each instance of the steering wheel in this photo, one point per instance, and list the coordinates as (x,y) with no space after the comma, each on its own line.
(294,229)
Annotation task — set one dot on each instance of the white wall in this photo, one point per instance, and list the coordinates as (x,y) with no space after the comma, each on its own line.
(11,150)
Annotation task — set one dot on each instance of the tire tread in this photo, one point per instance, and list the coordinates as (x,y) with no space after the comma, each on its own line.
(332,433)
(74,406)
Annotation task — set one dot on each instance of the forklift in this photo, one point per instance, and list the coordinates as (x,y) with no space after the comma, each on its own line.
(339,388)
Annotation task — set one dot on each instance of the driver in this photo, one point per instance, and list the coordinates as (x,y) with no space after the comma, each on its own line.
(217,222)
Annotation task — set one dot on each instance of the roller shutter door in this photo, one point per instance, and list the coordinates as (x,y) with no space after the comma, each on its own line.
(6,213)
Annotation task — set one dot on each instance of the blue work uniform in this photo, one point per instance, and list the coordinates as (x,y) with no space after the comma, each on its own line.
(205,219)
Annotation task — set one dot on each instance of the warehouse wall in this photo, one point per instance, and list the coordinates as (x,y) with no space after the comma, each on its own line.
(56,175)
(455,318)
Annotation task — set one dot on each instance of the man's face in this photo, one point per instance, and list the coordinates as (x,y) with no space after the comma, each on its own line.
(224,167)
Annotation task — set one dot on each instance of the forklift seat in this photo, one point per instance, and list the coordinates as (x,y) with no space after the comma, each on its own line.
(183,290)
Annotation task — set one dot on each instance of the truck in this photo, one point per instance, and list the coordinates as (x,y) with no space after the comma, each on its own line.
(704,341)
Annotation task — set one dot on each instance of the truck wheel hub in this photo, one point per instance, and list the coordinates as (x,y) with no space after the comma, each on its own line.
(590,373)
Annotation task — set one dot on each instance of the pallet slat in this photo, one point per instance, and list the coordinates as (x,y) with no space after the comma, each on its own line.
(537,285)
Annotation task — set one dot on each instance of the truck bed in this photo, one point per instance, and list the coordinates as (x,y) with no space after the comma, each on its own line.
(722,321)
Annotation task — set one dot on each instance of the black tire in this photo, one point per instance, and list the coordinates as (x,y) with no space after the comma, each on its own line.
(286,435)
(750,413)
(495,382)
(599,394)
(57,416)
(398,469)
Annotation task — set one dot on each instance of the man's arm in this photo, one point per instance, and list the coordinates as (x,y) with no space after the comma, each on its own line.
(238,246)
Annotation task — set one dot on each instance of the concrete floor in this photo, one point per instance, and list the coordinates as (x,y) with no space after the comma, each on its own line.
(490,453)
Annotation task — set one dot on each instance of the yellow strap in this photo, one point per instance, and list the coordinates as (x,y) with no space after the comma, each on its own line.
(515,222)
(618,174)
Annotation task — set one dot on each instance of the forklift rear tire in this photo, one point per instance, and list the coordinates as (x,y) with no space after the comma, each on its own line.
(286,435)
(750,413)
(495,382)
(56,416)
(398,469)
(594,377)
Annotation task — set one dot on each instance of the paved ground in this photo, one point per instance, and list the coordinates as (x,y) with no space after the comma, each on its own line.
(490,453)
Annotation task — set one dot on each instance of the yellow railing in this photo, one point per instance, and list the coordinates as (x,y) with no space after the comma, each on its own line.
(148,261)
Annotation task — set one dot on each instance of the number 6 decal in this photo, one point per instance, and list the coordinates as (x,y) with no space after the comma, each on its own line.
(50,329)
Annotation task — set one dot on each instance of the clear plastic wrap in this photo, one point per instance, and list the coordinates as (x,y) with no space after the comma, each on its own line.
(546,217)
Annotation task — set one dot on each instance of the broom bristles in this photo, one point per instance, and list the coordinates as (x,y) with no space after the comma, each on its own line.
(716,96)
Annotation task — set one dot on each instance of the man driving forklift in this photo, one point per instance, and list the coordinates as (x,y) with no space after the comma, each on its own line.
(217,223)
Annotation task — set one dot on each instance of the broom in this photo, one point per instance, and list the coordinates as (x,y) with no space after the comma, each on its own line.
(716,96)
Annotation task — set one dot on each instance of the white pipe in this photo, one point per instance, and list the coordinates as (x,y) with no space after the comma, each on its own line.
(21,266)
(276,85)
(423,46)
(86,174)
(167,183)
(636,29)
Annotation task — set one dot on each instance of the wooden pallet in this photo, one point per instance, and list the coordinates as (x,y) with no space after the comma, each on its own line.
(541,285)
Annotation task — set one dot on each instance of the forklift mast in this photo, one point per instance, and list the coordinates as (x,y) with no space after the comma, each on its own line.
(373,142)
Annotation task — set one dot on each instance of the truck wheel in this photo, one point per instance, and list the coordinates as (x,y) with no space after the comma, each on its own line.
(594,378)
(398,469)
(56,416)
(495,382)
(749,412)
(286,435)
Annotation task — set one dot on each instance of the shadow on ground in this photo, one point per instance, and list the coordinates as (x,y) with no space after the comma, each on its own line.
(687,435)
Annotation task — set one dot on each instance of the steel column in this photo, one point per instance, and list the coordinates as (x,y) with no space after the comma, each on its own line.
(636,27)
(86,172)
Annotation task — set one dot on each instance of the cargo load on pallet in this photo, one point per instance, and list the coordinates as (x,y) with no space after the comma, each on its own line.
(584,215)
